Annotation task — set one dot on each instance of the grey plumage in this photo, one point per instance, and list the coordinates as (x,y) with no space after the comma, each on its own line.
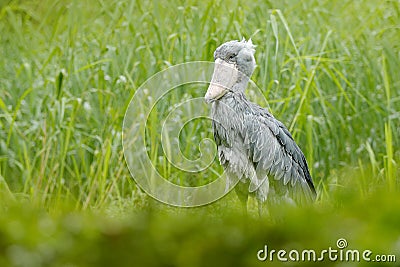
(253,146)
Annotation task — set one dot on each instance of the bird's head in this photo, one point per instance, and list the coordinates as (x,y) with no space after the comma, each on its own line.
(234,64)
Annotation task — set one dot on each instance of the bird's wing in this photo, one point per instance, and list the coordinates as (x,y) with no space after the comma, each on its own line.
(274,153)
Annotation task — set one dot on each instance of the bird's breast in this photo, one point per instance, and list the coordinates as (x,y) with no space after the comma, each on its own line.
(227,122)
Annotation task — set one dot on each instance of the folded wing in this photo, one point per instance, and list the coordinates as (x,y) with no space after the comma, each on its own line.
(275,154)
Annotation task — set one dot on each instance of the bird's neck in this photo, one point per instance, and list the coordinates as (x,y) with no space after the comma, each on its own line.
(241,85)
(234,98)
(236,93)
(230,105)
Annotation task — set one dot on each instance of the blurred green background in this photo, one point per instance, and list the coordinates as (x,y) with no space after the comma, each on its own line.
(329,71)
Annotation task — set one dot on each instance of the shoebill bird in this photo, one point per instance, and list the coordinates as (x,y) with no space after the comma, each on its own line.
(253,146)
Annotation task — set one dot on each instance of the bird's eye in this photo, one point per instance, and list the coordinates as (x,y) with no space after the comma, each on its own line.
(231,57)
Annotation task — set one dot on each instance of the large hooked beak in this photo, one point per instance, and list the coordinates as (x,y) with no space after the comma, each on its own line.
(224,77)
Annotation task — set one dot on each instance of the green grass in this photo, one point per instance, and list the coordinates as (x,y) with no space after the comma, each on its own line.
(68,69)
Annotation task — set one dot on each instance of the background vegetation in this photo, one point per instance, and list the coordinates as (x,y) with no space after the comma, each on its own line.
(329,70)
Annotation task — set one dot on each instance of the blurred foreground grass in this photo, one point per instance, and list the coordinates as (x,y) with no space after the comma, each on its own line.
(215,235)
(68,69)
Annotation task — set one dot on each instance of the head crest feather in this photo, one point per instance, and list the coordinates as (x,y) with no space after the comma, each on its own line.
(249,44)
